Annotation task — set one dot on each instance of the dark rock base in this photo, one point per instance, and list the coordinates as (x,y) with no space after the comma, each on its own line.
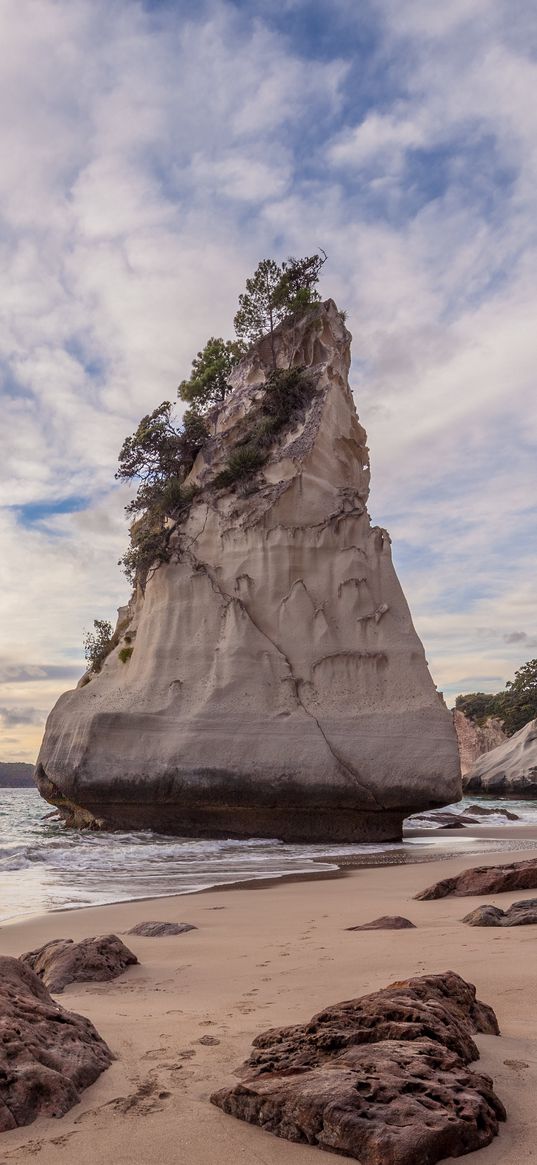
(289,823)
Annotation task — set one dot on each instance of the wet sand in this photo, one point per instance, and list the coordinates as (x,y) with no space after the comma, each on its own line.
(271,956)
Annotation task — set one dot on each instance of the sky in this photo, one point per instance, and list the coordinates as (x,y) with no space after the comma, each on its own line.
(153,153)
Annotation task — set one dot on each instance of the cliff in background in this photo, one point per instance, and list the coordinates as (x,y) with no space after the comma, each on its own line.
(276,686)
(475,740)
(510,770)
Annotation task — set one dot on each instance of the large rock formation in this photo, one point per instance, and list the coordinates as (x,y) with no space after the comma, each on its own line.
(509,770)
(476,739)
(277,686)
(382,1079)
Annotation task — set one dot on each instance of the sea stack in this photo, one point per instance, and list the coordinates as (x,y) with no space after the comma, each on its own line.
(274,684)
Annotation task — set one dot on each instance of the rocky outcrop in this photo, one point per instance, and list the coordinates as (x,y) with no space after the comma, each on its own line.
(382,1079)
(522,913)
(160,929)
(276,685)
(93,960)
(47,1055)
(509,770)
(485,880)
(474,740)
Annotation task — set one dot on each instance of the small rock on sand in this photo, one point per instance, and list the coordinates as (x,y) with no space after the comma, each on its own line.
(387,922)
(160,929)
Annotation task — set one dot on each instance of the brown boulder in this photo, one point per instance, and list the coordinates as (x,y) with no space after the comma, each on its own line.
(522,913)
(160,929)
(438,1007)
(485,880)
(382,1079)
(387,922)
(47,1055)
(93,960)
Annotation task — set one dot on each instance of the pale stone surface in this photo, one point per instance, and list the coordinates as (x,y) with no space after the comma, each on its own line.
(509,770)
(277,685)
(476,739)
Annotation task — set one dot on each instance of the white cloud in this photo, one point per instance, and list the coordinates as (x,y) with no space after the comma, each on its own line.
(150,160)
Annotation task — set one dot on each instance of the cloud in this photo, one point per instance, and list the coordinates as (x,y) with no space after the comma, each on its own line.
(13,717)
(153,155)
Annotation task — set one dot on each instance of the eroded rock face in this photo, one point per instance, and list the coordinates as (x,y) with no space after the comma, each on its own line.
(509,770)
(485,880)
(474,740)
(519,914)
(47,1055)
(277,686)
(381,1079)
(93,960)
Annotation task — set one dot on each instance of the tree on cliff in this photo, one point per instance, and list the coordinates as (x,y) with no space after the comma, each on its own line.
(159,456)
(272,293)
(476,706)
(208,384)
(518,703)
(97,643)
(515,706)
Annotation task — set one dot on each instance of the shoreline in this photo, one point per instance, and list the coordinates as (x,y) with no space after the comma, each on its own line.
(342,865)
(257,961)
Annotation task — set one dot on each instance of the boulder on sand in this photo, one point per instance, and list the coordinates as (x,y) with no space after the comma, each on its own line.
(485,880)
(522,913)
(47,1055)
(160,929)
(387,922)
(382,1079)
(93,960)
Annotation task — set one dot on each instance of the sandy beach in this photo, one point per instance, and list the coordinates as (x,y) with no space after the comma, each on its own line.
(262,956)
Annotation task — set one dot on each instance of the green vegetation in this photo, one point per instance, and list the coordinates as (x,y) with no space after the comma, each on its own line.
(477,706)
(285,393)
(208,384)
(518,703)
(98,644)
(515,706)
(160,453)
(159,456)
(125,654)
(274,292)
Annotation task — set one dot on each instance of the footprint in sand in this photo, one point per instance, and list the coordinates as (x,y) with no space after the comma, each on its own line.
(517,1065)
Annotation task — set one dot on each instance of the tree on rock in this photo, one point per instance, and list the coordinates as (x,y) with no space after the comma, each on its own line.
(518,704)
(159,456)
(98,643)
(272,293)
(208,384)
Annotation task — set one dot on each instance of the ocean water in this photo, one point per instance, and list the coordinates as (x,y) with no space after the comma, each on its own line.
(44,866)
